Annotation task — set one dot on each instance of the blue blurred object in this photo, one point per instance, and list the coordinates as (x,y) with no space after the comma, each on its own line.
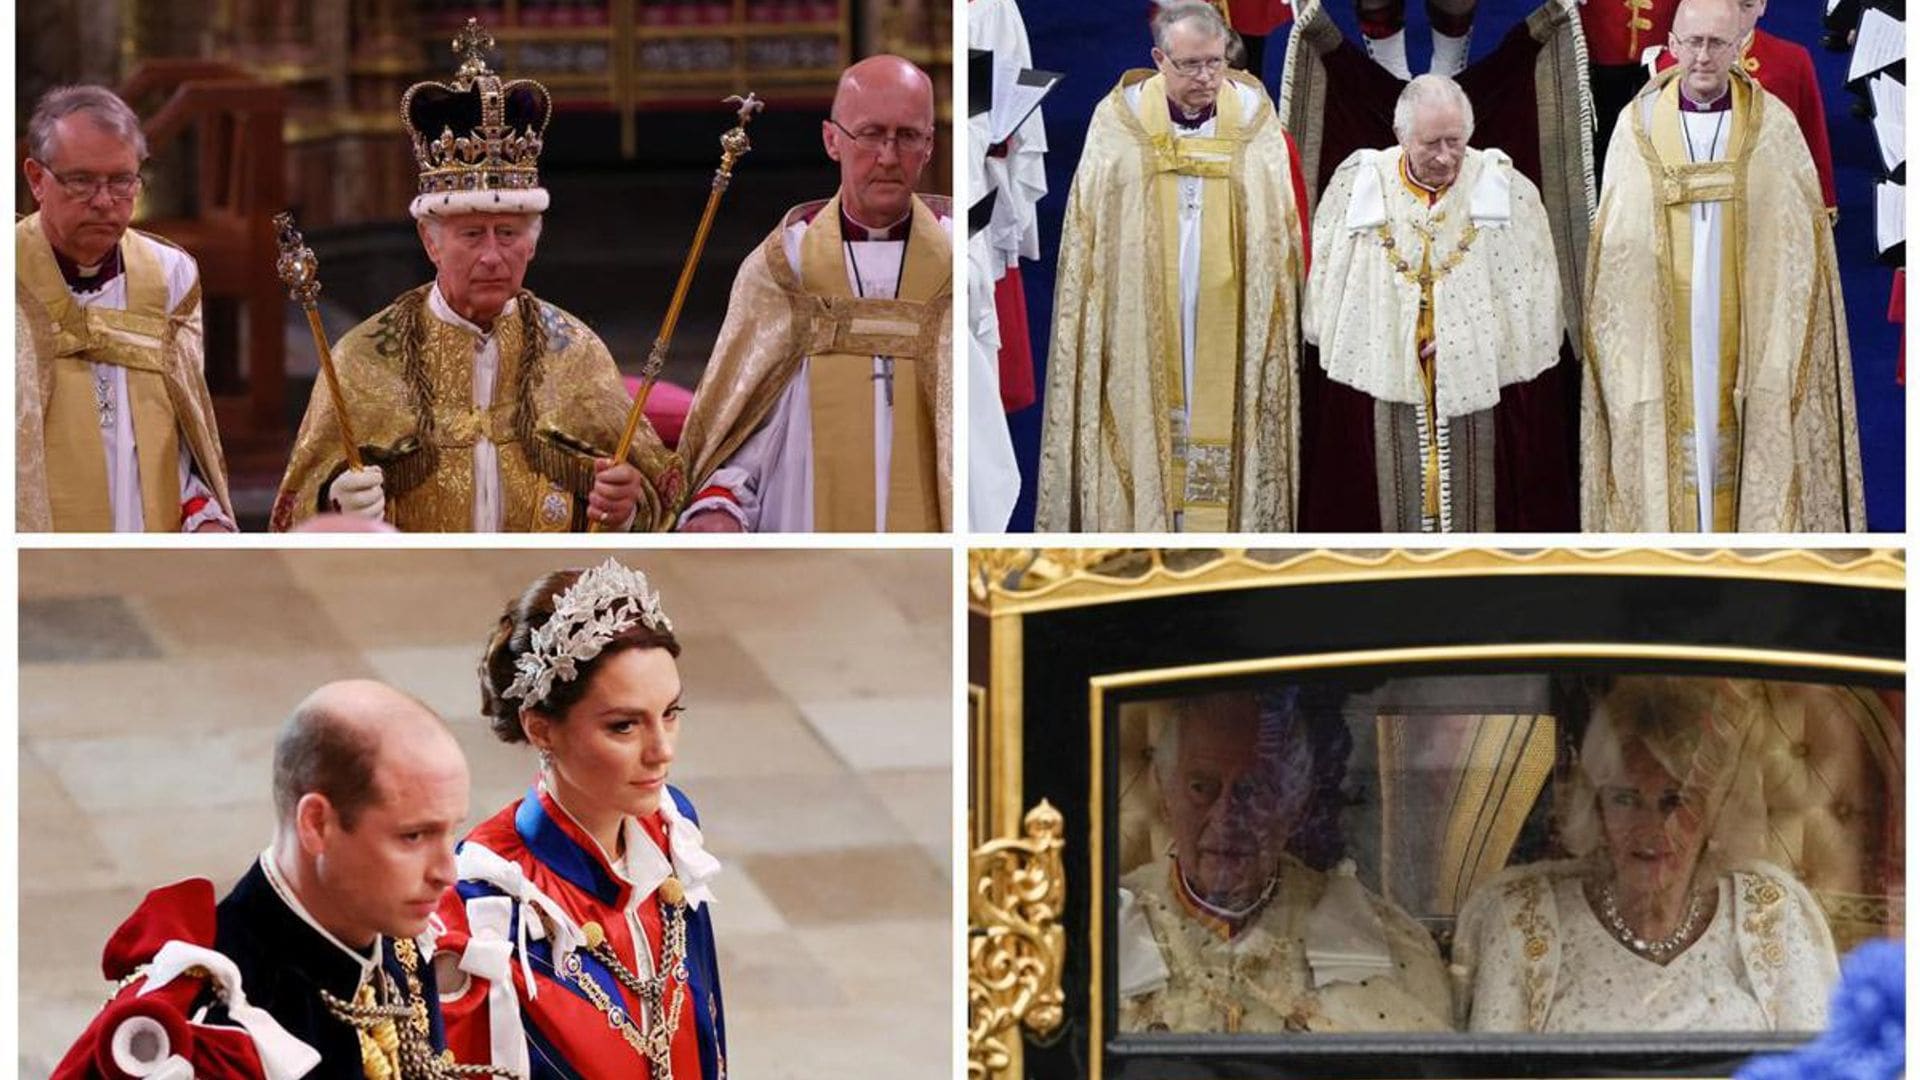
(1866,1036)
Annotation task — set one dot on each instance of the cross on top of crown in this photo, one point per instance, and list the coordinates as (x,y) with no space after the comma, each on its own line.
(472,44)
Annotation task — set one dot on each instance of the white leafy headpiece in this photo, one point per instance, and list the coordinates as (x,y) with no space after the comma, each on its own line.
(600,605)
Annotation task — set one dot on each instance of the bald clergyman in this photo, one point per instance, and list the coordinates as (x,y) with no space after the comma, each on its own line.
(1719,385)
(825,405)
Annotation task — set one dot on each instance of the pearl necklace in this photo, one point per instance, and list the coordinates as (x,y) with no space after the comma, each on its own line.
(1660,950)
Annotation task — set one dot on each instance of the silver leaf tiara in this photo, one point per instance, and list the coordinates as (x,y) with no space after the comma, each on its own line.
(601,604)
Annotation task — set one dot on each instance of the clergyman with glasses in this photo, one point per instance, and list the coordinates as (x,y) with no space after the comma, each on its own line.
(1719,387)
(824,404)
(115,429)
(1171,393)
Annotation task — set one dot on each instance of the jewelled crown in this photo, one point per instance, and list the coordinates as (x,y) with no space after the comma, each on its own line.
(600,605)
(477,140)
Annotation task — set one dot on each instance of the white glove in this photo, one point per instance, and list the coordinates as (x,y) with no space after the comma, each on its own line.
(359,492)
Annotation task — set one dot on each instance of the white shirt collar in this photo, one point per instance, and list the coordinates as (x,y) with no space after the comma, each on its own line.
(437,303)
(285,891)
(645,866)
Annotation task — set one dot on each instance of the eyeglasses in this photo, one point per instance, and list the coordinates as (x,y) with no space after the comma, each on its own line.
(873,140)
(84,186)
(1212,65)
(1704,45)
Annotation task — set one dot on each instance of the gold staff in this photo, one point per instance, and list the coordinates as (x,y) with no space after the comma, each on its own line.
(733,146)
(300,271)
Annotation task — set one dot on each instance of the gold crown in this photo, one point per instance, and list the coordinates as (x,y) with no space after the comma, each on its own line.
(477,139)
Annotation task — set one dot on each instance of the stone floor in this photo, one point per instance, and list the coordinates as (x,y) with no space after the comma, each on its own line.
(817,746)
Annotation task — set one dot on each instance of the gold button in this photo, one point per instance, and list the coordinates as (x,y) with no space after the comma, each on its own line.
(671,892)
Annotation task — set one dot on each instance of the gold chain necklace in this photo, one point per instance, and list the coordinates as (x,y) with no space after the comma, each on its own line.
(390,1049)
(663,996)
(1424,277)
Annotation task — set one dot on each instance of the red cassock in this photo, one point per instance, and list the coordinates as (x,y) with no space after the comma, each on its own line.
(1017,389)
(1786,70)
(180,912)
(1897,314)
(1250,18)
(1619,32)
(1259,17)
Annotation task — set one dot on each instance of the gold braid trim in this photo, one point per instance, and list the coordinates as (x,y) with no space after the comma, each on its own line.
(407,467)
(410,464)
(567,462)
(396,1039)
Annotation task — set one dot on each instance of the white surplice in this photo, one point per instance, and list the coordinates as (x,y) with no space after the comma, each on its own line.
(1707,136)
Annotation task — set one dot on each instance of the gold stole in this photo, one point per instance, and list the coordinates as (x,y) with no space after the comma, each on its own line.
(1201,478)
(1424,335)
(134,339)
(841,383)
(1682,184)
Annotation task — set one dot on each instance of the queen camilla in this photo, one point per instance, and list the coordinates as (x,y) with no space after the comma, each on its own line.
(1658,922)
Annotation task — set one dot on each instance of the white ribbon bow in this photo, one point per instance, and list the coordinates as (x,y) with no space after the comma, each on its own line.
(489,955)
(476,863)
(281,1055)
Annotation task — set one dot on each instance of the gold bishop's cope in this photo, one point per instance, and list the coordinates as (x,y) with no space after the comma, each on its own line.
(166,398)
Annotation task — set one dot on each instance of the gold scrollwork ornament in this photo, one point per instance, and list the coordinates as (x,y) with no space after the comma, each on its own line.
(1015,944)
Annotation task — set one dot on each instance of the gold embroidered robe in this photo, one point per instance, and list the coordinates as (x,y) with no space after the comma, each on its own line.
(1110,457)
(1259,979)
(1512,933)
(407,379)
(1790,442)
(60,469)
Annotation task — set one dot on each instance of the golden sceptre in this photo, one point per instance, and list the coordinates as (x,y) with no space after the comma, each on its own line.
(733,146)
(300,271)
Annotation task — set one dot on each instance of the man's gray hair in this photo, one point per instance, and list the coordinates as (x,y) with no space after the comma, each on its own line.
(1278,713)
(101,105)
(1429,89)
(1179,11)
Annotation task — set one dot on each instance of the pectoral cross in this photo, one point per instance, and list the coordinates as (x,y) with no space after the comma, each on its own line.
(103,400)
(885,375)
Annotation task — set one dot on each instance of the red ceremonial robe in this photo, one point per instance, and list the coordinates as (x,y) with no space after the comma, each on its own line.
(183,911)
(567,1034)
